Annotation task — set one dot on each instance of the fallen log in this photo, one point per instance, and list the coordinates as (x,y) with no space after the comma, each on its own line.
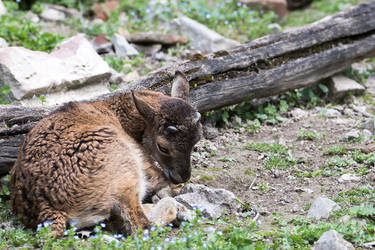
(264,67)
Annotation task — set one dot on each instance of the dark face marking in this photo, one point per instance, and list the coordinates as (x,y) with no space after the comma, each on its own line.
(175,132)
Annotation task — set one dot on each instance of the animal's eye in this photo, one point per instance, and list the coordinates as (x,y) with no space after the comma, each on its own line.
(172,129)
(163,150)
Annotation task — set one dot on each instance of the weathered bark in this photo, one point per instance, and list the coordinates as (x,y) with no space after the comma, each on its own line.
(264,67)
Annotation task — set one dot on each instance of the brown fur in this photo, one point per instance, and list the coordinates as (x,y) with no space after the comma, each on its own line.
(89,159)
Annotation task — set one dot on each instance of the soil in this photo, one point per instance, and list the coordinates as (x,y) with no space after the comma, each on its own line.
(289,193)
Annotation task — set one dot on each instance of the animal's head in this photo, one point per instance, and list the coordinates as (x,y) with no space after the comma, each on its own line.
(172,128)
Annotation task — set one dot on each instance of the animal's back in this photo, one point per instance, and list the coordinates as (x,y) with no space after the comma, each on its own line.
(63,164)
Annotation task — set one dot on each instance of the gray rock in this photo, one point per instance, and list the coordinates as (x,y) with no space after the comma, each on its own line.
(53,15)
(331,113)
(340,85)
(201,38)
(148,50)
(275,28)
(332,240)
(349,112)
(367,135)
(210,132)
(166,211)
(32,17)
(109,239)
(298,113)
(346,219)
(160,56)
(122,47)
(321,208)
(67,11)
(362,110)
(2,8)
(369,125)
(73,64)
(351,135)
(370,85)
(362,67)
(3,43)
(349,177)
(212,202)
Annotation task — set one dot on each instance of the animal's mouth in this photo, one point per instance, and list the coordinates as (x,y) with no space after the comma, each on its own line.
(170,177)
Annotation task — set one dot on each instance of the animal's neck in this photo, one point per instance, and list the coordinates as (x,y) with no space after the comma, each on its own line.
(131,121)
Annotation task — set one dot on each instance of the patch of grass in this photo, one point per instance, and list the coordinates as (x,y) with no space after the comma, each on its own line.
(4,91)
(227,159)
(278,162)
(19,31)
(264,187)
(280,157)
(249,172)
(308,135)
(206,178)
(317,11)
(335,150)
(266,147)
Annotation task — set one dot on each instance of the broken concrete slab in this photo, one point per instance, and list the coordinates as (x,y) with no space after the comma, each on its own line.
(73,63)
(340,85)
(201,38)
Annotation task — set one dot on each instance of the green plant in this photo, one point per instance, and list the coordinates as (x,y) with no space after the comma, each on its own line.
(308,135)
(115,63)
(42,98)
(264,187)
(4,91)
(19,31)
(335,150)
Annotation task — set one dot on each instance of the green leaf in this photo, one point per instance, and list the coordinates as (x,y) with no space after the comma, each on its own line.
(323,88)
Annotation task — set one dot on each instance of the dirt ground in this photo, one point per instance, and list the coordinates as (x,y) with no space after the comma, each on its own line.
(282,191)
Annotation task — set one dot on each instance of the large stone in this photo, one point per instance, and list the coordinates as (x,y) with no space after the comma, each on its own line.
(73,64)
(148,50)
(278,6)
(54,15)
(321,208)
(3,43)
(102,45)
(166,211)
(2,8)
(67,11)
(212,202)
(201,38)
(331,113)
(332,240)
(369,125)
(351,135)
(122,47)
(340,85)
(349,177)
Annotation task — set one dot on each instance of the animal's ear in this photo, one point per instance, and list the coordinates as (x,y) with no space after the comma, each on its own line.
(180,86)
(143,107)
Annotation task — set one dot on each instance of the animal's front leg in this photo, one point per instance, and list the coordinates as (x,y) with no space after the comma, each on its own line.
(128,216)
